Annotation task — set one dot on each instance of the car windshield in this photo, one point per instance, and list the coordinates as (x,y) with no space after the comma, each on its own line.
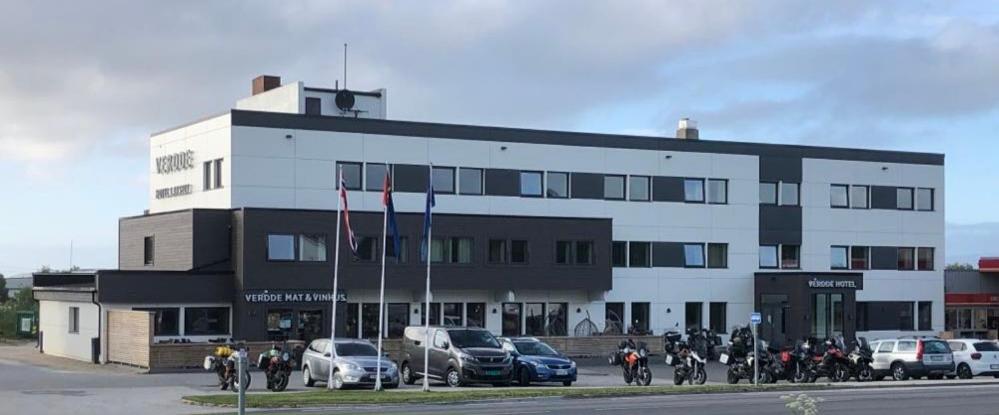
(986,347)
(355,349)
(534,349)
(935,347)
(473,338)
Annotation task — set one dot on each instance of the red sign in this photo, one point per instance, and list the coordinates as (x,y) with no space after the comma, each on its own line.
(953,299)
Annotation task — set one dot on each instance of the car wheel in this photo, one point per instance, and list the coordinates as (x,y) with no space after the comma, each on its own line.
(524,377)
(407,374)
(338,380)
(307,377)
(567,383)
(898,372)
(453,378)
(964,371)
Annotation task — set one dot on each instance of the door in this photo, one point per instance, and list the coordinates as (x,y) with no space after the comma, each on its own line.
(439,354)
(882,355)
(324,361)
(827,315)
(774,309)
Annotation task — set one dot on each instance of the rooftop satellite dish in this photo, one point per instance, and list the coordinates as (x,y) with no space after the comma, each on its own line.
(344,100)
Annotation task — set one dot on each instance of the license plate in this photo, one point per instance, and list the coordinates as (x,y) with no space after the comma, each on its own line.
(669,359)
(492,373)
(994,367)
(723,359)
(936,358)
(561,372)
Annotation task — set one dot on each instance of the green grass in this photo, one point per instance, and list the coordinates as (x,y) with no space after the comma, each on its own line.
(355,397)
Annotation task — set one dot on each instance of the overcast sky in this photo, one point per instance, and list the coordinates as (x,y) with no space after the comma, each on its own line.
(82,86)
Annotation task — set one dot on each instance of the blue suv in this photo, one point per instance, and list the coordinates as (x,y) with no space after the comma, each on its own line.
(536,361)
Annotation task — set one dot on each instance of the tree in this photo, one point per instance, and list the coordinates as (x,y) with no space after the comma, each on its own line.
(959,266)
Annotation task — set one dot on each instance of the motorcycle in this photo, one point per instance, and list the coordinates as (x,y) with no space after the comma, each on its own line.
(688,365)
(859,361)
(222,361)
(634,361)
(801,368)
(276,364)
(831,363)
(742,362)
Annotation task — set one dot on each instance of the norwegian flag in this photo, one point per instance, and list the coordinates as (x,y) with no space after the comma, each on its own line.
(351,239)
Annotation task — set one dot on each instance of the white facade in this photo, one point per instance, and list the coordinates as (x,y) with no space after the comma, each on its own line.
(61,337)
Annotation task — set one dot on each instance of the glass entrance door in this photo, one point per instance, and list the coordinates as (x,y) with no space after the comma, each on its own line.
(827,315)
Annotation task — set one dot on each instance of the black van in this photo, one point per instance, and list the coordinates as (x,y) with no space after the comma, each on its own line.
(458,356)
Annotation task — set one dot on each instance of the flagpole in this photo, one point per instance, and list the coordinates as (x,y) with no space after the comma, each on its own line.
(381,301)
(336,271)
(426,299)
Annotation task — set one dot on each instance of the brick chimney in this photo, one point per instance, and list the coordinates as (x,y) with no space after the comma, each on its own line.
(264,83)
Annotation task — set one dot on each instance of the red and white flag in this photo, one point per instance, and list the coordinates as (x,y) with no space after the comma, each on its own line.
(351,239)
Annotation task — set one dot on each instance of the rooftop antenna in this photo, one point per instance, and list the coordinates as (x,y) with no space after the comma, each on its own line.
(344,66)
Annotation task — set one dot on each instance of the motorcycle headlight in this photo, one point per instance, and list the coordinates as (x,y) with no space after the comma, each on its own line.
(643,352)
(285,356)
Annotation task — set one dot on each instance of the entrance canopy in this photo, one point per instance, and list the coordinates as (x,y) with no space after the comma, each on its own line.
(795,305)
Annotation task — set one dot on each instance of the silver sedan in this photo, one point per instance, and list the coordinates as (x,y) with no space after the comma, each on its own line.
(354,364)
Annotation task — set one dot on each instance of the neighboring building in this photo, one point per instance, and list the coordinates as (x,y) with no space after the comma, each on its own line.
(534,231)
(972,298)
(15,284)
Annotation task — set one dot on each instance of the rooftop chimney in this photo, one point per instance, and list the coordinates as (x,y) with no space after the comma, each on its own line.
(687,129)
(264,83)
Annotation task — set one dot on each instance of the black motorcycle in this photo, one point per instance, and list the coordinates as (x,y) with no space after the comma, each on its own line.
(860,360)
(277,364)
(741,360)
(634,361)
(688,365)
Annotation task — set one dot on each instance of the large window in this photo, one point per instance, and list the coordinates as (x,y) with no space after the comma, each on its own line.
(397,318)
(717,191)
(435,313)
(839,196)
(827,315)
(790,256)
(924,199)
(475,314)
(903,196)
(838,257)
(693,255)
(574,252)
(74,320)
(470,181)
(693,319)
(693,190)
(557,320)
(619,254)
(166,321)
(452,315)
(717,255)
(614,187)
(860,257)
(768,193)
(534,319)
(563,252)
(906,258)
(558,185)
(768,256)
(584,252)
(352,325)
(639,254)
(206,321)
(638,188)
(924,261)
(403,254)
(148,250)
(640,318)
(859,197)
(367,249)
(497,251)
(511,319)
(461,250)
(374,176)
(212,175)
(719,318)
(788,194)
(530,183)
(281,247)
(351,175)
(518,252)
(614,318)
(312,247)
(369,320)
(443,180)
(925,315)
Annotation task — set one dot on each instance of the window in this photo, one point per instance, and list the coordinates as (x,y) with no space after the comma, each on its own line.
(693,190)
(530,183)
(443,180)
(790,256)
(470,181)
(206,181)
(639,254)
(838,257)
(768,193)
(640,318)
(925,315)
(886,347)
(557,324)
(452,315)
(839,196)
(313,106)
(352,326)
(206,321)
(718,319)
(166,321)
(280,247)
(903,197)
(511,319)
(367,248)
(475,314)
(438,250)
(905,316)
(924,261)
(768,256)
(906,259)
(614,318)
(374,176)
(435,313)
(461,250)
(148,250)
(558,185)
(861,316)
(788,194)
(563,251)
(693,255)
(619,254)
(638,188)
(534,319)
(692,311)
(440,339)
(614,187)
(403,254)
(217,180)
(397,318)
(369,320)
(312,247)
(518,252)
(351,175)
(860,257)
(584,252)
(717,255)
(924,199)
(74,320)
(718,191)
(497,251)
(859,197)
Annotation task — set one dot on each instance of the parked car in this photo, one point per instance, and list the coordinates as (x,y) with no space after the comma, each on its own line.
(975,357)
(458,356)
(906,358)
(536,361)
(354,364)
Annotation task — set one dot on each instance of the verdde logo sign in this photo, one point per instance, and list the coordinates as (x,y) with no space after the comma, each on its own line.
(175,162)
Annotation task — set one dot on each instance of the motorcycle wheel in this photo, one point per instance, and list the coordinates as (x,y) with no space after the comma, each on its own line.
(700,376)
(843,373)
(234,382)
(733,377)
(627,377)
(866,374)
(677,378)
(800,376)
(646,376)
(280,382)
